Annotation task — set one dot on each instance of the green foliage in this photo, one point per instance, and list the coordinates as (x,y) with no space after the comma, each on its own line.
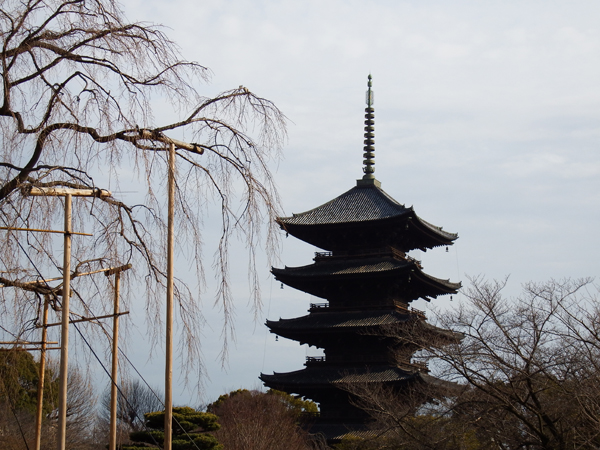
(150,437)
(190,429)
(214,406)
(184,418)
(295,404)
(19,377)
(394,441)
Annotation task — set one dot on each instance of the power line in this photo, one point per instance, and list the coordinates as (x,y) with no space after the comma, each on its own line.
(83,337)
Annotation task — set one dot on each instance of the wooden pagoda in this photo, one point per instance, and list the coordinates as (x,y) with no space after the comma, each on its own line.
(369,281)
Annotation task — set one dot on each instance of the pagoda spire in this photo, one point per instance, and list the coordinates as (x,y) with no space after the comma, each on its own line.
(369,149)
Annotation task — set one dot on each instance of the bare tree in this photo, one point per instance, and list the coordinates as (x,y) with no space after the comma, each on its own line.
(417,417)
(258,420)
(79,83)
(134,400)
(528,363)
(527,368)
(18,392)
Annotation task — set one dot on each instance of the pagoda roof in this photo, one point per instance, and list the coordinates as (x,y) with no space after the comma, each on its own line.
(359,204)
(315,277)
(342,319)
(320,376)
(364,204)
(313,327)
(337,267)
(335,432)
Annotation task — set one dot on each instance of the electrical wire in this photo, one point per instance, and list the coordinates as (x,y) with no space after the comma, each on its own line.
(93,351)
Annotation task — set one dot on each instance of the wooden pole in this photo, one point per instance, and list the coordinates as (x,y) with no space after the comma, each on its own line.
(37,230)
(114,373)
(40,392)
(108,271)
(64,339)
(60,191)
(169,319)
(89,319)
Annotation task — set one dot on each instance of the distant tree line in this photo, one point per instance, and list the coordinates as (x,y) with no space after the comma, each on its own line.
(19,376)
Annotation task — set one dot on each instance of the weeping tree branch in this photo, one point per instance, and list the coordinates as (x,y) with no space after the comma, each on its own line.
(78,85)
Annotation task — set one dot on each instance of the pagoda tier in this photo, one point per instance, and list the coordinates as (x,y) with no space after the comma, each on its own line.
(324,326)
(329,386)
(367,280)
(315,381)
(365,217)
(317,378)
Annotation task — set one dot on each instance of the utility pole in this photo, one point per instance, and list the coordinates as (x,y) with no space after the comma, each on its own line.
(169,318)
(40,393)
(194,148)
(66,293)
(64,332)
(45,325)
(172,143)
(115,352)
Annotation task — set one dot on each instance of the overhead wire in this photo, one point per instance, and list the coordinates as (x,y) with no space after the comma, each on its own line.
(93,351)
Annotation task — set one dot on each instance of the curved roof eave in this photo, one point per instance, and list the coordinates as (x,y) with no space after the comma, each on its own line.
(447,284)
(447,237)
(351,267)
(337,271)
(361,203)
(329,376)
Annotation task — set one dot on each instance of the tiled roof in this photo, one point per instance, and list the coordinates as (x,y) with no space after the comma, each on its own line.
(317,328)
(341,319)
(340,375)
(339,431)
(346,267)
(361,203)
(358,268)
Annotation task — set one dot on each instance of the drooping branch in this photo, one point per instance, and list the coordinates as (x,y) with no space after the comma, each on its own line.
(78,85)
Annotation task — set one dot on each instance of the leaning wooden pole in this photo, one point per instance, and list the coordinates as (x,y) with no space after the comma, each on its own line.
(112,445)
(64,339)
(42,374)
(169,312)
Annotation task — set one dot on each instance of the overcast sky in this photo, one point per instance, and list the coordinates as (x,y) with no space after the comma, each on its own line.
(487,121)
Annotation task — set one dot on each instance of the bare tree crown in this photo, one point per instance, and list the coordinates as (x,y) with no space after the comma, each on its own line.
(79,84)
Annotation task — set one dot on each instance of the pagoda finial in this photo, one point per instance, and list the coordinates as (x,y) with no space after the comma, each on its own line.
(369,149)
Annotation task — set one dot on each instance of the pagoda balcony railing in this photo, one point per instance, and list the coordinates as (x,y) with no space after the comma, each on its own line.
(418,312)
(315,359)
(419,365)
(390,251)
(400,305)
(415,311)
(319,305)
(416,261)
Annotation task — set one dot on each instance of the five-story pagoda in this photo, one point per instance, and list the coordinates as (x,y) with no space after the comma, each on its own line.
(369,281)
